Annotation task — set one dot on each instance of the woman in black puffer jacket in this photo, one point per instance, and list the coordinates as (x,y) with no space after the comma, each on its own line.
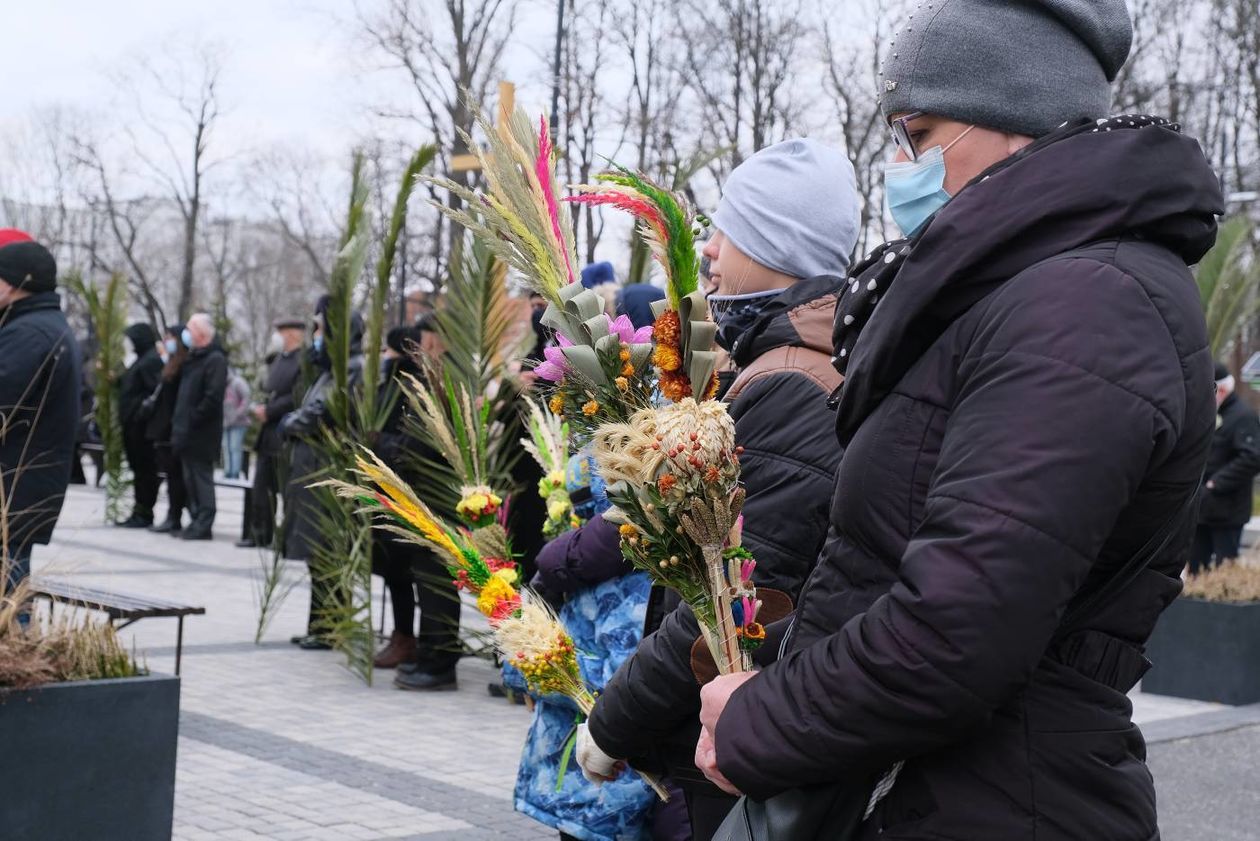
(1027,407)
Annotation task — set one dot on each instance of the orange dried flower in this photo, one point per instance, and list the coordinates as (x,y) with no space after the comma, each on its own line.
(589,408)
(666,358)
(666,483)
(668,329)
(712,474)
(675,387)
(622,383)
(557,404)
(624,355)
(627,370)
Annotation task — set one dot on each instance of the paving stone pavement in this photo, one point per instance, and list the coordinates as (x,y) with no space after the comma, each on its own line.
(277,743)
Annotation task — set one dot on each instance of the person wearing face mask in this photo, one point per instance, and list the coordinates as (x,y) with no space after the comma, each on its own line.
(280,386)
(785,227)
(1025,417)
(302,535)
(39,401)
(160,409)
(137,383)
(197,421)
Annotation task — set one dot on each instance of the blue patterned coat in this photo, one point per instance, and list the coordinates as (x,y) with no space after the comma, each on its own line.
(606,622)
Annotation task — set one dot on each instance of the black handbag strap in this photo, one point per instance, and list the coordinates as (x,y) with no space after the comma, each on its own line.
(1086,603)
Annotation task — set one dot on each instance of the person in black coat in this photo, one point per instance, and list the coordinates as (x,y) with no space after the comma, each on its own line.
(197,421)
(302,535)
(283,371)
(777,271)
(1233,462)
(415,576)
(136,384)
(1027,403)
(39,399)
(160,407)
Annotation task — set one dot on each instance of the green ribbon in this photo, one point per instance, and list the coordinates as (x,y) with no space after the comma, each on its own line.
(569,744)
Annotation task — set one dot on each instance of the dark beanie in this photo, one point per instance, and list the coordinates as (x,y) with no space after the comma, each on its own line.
(597,274)
(26,264)
(1025,67)
(1221,373)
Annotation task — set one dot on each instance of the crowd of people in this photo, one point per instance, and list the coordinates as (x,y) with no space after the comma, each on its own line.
(956,591)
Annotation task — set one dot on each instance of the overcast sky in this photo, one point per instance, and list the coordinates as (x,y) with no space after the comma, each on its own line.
(293,69)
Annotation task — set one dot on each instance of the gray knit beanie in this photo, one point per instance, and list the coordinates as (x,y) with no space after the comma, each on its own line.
(1023,66)
(793,207)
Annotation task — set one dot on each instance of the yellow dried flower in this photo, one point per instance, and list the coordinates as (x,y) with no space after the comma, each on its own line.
(589,408)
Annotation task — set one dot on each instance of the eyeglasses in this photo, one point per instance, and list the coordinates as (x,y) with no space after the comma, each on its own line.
(901,135)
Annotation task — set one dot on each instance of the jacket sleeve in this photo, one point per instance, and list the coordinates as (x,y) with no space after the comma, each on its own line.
(1015,514)
(788,469)
(582,558)
(16,364)
(306,419)
(1240,470)
(214,386)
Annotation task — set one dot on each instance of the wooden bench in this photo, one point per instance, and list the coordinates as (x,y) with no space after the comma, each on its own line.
(118,606)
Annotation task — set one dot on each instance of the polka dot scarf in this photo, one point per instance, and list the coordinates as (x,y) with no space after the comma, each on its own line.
(868,280)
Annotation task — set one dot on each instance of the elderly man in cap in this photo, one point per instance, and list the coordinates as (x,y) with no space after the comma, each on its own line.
(39,401)
(197,425)
(283,371)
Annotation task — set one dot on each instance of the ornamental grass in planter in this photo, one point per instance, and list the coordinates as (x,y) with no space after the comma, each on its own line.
(1206,646)
(50,651)
(87,736)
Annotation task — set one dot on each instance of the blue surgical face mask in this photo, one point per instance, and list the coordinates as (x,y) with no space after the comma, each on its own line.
(186,338)
(318,343)
(915,190)
(171,345)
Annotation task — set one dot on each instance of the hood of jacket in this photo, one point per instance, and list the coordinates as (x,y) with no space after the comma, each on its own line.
(143,338)
(800,317)
(1080,185)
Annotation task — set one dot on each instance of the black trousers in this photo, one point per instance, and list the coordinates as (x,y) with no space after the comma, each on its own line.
(199,484)
(1213,546)
(174,471)
(142,459)
(262,515)
(416,577)
(707,812)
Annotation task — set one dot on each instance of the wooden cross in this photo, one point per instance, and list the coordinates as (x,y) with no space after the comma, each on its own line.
(468,162)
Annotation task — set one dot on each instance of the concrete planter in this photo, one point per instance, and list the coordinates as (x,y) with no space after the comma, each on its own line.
(89,759)
(1207,651)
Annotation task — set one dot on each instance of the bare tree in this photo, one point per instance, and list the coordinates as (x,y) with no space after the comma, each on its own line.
(851,75)
(176,105)
(444,55)
(740,56)
(585,112)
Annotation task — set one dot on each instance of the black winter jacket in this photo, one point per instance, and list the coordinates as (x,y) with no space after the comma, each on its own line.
(1232,465)
(39,415)
(1030,401)
(197,420)
(141,377)
(648,711)
(302,507)
(280,387)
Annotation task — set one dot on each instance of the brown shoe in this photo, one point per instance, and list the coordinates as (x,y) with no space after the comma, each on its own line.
(401,648)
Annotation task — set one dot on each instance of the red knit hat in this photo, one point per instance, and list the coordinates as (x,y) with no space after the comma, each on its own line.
(25,263)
